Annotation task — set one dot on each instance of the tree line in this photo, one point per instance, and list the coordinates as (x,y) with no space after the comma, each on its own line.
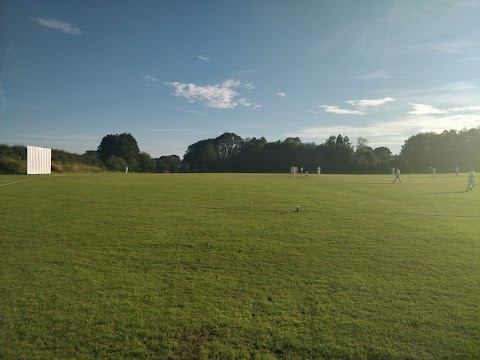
(114,153)
(338,154)
(231,153)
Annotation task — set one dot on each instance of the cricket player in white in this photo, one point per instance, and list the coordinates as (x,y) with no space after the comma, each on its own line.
(434,172)
(319,170)
(397,176)
(457,170)
(126,170)
(293,171)
(471,181)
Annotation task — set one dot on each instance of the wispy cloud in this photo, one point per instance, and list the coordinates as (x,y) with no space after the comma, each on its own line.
(219,96)
(451,47)
(248,86)
(457,93)
(195,112)
(365,103)
(149,80)
(3,99)
(421,109)
(312,112)
(204,58)
(58,25)
(332,40)
(403,127)
(280,94)
(465,108)
(457,86)
(377,74)
(336,110)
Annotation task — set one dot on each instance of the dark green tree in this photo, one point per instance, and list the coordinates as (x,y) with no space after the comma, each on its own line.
(146,163)
(383,154)
(121,145)
(116,163)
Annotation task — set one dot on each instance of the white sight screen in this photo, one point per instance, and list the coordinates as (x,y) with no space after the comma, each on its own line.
(39,160)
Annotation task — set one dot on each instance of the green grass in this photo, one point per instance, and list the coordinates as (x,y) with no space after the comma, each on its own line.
(188,266)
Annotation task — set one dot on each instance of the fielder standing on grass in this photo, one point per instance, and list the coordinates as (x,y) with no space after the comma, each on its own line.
(293,171)
(457,170)
(471,181)
(397,176)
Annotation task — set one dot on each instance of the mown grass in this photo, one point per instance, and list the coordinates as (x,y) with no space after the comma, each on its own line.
(189,266)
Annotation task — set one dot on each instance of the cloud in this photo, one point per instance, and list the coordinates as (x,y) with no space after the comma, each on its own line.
(377,74)
(449,94)
(149,80)
(465,108)
(336,110)
(451,47)
(204,58)
(364,103)
(195,112)
(421,109)
(332,40)
(219,96)
(58,25)
(403,127)
(249,86)
(280,94)
(313,112)
(457,86)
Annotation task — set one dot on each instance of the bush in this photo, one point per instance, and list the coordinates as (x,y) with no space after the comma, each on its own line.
(116,163)
(10,165)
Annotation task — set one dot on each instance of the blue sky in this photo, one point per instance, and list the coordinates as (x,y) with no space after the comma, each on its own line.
(175,72)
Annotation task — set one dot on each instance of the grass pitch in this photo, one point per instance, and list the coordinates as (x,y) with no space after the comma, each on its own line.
(200,266)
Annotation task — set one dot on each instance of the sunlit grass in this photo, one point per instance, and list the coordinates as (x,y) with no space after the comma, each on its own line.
(221,265)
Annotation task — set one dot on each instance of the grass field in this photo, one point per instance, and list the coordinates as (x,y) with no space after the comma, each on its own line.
(188,266)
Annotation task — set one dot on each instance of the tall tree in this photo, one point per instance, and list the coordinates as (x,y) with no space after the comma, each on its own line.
(383,154)
(122,146)
(361,142)
(227,145)
(146,163)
